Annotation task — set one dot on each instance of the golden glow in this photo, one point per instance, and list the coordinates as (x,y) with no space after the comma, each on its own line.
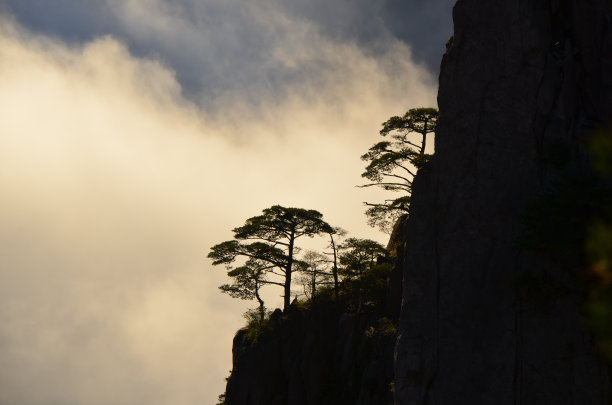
(114,186)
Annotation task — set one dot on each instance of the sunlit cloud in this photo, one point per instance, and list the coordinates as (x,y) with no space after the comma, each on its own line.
(114,185)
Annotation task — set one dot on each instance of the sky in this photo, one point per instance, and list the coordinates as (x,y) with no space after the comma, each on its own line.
(135,134)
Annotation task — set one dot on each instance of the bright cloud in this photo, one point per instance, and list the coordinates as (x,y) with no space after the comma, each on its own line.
(114,186)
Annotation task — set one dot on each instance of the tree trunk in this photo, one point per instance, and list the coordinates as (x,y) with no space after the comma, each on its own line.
(262,308)
(422,152)
(313,286)
(287,297)
(335,269)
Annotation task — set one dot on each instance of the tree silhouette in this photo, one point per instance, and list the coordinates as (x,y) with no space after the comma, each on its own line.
(247,282)
(357,257)
(274,233)
(315,269)
(394,163)
(333,254)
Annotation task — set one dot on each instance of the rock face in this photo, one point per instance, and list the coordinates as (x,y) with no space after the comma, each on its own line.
(521,81)
(314,356)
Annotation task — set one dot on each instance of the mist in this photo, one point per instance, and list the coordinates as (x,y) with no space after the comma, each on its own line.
(116,179)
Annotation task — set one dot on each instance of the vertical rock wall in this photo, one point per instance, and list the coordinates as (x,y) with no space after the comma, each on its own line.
(521,79)
(314,356)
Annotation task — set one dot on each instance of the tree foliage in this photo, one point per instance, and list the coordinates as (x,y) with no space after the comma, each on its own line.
(359,255)
(247,282)
(315,272)
(599,248)
(393,163)
(267,242)
(572,222)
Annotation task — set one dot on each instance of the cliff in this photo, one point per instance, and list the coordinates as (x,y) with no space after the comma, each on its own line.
(522,85)
(314,356)
(326,351)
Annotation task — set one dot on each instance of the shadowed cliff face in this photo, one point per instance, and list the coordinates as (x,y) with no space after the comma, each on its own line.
(520,81)
(318,356)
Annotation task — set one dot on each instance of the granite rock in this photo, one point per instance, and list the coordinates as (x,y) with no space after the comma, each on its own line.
(521,80)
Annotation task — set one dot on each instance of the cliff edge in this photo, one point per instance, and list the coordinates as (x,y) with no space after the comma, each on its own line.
(522,83)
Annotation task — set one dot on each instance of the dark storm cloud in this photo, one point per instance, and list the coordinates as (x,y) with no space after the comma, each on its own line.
(71,20)
(223,49)
(424,24)
(346,20)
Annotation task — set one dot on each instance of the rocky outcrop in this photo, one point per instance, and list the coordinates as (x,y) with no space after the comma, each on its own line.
(521,86)
(314,356)
(324,352)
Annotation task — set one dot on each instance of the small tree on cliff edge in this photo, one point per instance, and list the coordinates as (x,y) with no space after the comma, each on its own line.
(393,164)
(274,234)
(247,282)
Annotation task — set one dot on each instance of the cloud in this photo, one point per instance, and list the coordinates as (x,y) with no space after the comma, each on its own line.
(223,46)
(114,186)
(104,226)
